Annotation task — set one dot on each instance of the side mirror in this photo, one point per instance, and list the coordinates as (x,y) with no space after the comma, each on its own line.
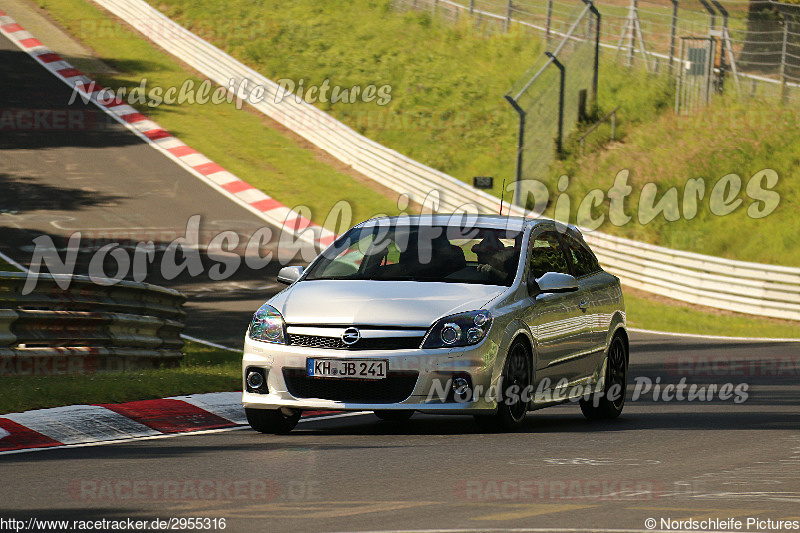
(290,274)
(555,282)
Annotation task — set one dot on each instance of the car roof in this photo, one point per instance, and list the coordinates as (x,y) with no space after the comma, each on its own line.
(512,223)
(504,222)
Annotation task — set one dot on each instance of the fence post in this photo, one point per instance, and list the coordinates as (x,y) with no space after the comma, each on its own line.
(563,70)
(435,6)
(712,23)
(520,149)
(679,81)
(783,60)
(471,7)
(673,32)
(632,25)
(596,65)
(508,15)
(549,19)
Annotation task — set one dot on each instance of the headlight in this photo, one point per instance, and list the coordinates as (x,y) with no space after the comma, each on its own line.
(463,329)
(267,326)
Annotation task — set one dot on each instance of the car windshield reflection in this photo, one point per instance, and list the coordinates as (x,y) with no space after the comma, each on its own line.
(486,256)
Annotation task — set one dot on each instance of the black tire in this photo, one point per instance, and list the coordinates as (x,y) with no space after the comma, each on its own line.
(517,373)
(272,420)
(394,416)
(612,401)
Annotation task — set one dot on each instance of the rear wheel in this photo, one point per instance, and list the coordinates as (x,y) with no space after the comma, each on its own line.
(394,416)
(272,420)
(609,403)
(514,392)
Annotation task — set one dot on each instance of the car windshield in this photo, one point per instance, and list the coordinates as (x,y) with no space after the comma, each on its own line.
(428,253)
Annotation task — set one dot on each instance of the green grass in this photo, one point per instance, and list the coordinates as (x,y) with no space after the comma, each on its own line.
(5,267)
(732,137)
(203,369)
(240,141)
(447,111)
(447,82)
(662,314)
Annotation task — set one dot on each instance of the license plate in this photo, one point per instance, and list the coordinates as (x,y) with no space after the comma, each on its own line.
(347,368)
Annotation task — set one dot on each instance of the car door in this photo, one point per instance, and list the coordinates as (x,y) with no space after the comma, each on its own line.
(556,320)
(592,284)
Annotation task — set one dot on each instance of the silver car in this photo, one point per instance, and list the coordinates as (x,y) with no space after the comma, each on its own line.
(452,314)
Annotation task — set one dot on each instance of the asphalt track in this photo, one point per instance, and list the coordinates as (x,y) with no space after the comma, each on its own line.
(93,176)
(661,459)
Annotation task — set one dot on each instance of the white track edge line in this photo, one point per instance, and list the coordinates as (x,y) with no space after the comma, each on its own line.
(209,343)
(13,263)
(713,337)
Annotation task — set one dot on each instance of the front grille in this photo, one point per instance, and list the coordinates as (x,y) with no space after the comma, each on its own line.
(317,341)
(396,387)
(335,343)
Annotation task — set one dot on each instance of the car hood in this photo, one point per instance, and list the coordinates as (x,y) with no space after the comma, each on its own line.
(379,303)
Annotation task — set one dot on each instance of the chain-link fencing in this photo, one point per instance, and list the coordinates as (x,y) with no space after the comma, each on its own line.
(758,41)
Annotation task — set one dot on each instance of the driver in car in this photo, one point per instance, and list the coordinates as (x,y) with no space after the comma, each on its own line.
(493,257)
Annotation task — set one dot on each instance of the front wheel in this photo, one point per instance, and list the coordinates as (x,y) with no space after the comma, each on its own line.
(272,420)
(512,406)
(608,404)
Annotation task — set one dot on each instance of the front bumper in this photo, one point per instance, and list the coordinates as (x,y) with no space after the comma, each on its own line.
(428,393)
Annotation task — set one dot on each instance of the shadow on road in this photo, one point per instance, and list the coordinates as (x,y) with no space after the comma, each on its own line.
(24,194)
(36,112)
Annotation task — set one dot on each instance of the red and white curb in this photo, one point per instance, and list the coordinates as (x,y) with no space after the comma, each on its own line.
(106,423)
(256,201)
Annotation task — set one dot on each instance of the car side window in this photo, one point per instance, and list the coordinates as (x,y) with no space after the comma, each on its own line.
(580,258)
(546,255)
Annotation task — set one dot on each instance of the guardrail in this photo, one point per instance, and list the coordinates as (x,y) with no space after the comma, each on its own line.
(752,288)
(87,327)
(689,277)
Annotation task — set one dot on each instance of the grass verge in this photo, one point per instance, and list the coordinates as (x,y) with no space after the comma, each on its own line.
(447,111)
(203,369)
(732,141)
(5,267)
(647,311)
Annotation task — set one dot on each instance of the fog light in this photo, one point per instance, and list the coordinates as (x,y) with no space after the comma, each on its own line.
(461,390)
(255,380)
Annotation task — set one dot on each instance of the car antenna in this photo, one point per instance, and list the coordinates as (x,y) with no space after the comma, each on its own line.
(502,193)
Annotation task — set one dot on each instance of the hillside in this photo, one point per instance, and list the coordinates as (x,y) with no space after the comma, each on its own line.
(447,110)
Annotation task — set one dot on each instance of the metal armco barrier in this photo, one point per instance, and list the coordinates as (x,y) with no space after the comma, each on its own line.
(87,327)
(752,288)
